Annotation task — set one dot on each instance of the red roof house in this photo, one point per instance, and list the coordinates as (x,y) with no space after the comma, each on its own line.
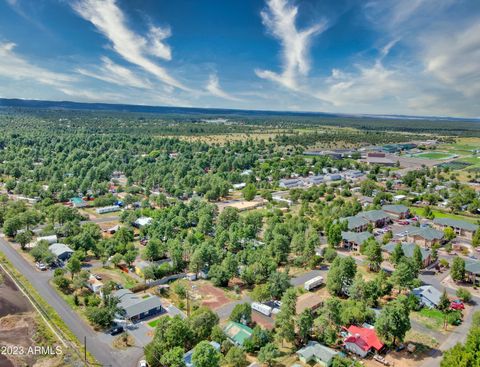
(362,340)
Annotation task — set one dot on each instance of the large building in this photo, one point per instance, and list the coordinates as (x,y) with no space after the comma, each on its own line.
(353,240)
(378,218)
(460,227)
(61,251)
(362,341)
(408,249)
(424,236)
(317,353)
(355,223)
(397,211)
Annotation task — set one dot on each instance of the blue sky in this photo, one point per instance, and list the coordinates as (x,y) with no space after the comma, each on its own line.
(418,57)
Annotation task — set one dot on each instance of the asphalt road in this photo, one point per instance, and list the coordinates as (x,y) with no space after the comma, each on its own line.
(100,349)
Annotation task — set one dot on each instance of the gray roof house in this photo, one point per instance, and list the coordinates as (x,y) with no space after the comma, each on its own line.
(408,249)
(428,295)
(461,227)
(425,236)
(353,240)
(317,353)
(291,183)
(136,307)
(61,251)
(399,211)
(472,270)
(355,223)
(377,217)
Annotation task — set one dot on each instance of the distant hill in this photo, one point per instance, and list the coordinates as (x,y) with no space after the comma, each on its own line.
(188,111)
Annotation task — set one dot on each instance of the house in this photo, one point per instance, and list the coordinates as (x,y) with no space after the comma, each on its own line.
(108,209)
(397,211)
(237,333)
(362,340)
(399,197)
(317,353)
(61,251)
(315,180)
(424,236)
(333,177)
(428,295)
(472,271)
(291,183)
(355,223)
(78,202)
(378,218)
(187,357)
(408,249)
(142,222)
(354,174)
(460,227)
(94,284)
(136,307)
(353,240)
(50,239)
(239,186)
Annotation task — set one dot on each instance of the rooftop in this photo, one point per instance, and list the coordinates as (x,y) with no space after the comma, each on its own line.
(398,209)
(365,338)
(456,223)
(356,237)
(237,332)
(407,248)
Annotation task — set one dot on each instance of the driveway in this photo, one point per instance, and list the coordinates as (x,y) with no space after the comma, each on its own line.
(96,342)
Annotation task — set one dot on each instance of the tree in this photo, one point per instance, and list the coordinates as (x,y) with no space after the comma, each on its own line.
(242,313)
(340,275)
(201,322)
(417,257)
(404,274)
(74,266)
(393,322)
(267,354)
(457,270)
(259,338)
(464,295)
(476,238)
(374,255)
(449,233)
(305,325)
(23,238)
(334,235)
(278,283)
(444,306)
(249,192)
(172,358)
(116,259)
(205,355)
(397,254)
(236,357)
(284,321)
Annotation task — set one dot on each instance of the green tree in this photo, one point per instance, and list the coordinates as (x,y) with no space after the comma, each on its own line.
(242,313)
(268,354)
(201,322)
(457,270)
(305,326)
(23,238)
(334,235)
(249,192)
(449,233)
(417,257)
(74,266)
(404,275)
(236,357)
(393,322)
(397,254)
(464,295)
(285,319)
(340,275)
(205,355)
(374,255)
(172,358)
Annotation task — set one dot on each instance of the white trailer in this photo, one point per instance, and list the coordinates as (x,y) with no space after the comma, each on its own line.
(313,283)
(263,309)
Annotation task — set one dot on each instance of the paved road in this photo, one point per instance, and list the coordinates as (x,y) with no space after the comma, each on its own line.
(96,342)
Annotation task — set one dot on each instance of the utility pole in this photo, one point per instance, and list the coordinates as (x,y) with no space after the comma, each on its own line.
(85,348)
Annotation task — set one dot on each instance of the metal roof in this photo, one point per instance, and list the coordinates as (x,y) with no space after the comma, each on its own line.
(456,223)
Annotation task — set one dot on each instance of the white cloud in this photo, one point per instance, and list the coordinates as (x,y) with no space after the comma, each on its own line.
(16,67)
(109,20)
(214,88)
(280,18)
(116,74)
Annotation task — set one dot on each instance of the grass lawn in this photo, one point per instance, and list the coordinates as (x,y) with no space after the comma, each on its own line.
(430,318)
(117,276)
(434,155)
(153,323)
(439,214)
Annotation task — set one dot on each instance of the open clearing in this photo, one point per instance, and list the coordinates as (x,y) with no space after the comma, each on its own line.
(435,155)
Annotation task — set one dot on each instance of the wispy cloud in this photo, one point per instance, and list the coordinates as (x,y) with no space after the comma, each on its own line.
(280,20)
(16,67)
(109,20)
(111,72)
(214,88)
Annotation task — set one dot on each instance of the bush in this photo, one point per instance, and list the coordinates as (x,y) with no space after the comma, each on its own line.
(464,295)
(329,254)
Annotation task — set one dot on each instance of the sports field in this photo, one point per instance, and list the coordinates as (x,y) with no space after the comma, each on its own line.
(435,155)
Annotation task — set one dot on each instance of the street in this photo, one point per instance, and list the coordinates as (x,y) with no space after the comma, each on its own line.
(103,352)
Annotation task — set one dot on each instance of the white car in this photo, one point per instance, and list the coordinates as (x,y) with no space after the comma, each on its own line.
(142,363)
(41,266)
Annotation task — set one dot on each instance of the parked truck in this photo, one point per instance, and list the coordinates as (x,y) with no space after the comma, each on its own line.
(313,283)
(263,309)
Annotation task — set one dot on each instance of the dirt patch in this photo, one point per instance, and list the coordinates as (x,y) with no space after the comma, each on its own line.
(212,297)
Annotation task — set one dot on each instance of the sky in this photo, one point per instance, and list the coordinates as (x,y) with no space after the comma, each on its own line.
(411,57)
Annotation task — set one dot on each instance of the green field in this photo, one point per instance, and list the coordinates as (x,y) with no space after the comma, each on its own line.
(439,214)
(153,323)
(434,155)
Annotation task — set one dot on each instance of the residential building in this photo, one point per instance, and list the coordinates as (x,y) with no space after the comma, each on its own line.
(378,218)
(315,180)
(108,209)
(50,239)
(136,307)
(460,227)
(94,284)
(291,183)
(142,222)
(237,333)
(333,177)
(187,357)
(408,249)
(472,271)
(61,251)
(317,353)
(355,223)
(362,340)
(424,236)
(397,211)
(78,202)
(353,240)
(428,295)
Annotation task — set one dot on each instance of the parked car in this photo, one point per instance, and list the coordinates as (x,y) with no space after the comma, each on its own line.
(457,305)
(41,266)
(142,363)
(116,330)
(98,277)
